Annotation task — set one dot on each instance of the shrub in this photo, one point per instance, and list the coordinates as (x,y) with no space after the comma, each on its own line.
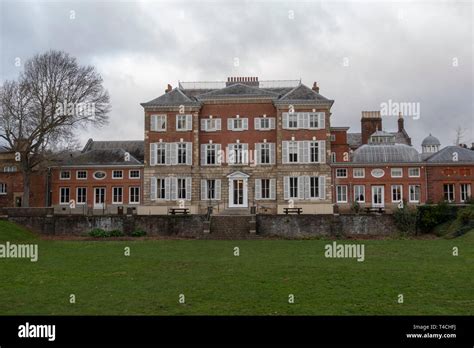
(406,220)
(355,207)
(431,216)
(98,233)
(138,233)
(116,233)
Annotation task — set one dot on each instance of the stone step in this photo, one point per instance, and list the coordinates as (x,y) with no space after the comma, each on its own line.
(232,227)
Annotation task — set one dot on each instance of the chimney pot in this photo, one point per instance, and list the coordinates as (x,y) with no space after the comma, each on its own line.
(315,87)
(168,88)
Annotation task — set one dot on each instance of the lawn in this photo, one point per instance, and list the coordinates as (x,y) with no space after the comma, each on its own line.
(215,282)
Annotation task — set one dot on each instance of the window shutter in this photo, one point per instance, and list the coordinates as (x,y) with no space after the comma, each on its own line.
(300,187)
(301,123)
(203,124)
(189,122)
(257,123)
(153,188)
(203,154)
(258,189)
(305,151)
(230,123)
(173,188)
(322,120)
(272,188)
(189,154)
(272,122)
(218,189)
(245,123)
(188,188)
(218,154)
(322,151)
(285,145)
(230,154)
(203,190)
(301,151)
(285,120)
(153,122)
(172,153)
(258,148)
(272,153)
(307,186)
(286,187)
(168,188)
(152,154)
(245,155)
(218,124)
(322,187)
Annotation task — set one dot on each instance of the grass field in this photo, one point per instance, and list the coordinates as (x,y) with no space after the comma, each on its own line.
(215,282)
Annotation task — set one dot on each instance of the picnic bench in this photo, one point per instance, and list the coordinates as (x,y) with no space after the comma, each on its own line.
(374,210)
(292,211)
(174,211)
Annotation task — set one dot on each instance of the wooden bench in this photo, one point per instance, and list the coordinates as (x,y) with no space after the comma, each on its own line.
(292,211)
(374,210)
(174,211)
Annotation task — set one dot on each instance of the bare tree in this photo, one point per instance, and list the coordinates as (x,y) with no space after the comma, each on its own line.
(53,98)
(459,135)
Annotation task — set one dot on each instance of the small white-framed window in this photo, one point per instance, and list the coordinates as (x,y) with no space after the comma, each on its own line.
(292,120)
(65,175)
(341,193)
(3,188)
(341,172)
(10,169)
(448,190)
(333,137)
(358,172)
(134,195)
(396,172)
(134,174)
(465,192)
(414,193)
(264,123)
(359,193)
(210,124)
(117,174)
(184,122)
(397,193)
(158,123)
(99,175)
(414,172)
(64,195)
(81,174)
(117,195)
(237,124)
(81,195)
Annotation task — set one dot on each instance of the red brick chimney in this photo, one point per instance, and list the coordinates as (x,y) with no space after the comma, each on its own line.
(401,125)
(315,87)
(371,121)
(169,88)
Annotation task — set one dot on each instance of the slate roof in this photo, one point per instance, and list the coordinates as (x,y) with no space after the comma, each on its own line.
(135,147)
(397,153)
(430,140)
(355,139)
(446,155)
(99,157)
(280,95)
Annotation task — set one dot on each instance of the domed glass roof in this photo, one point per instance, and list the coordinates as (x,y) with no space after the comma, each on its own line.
(398,153)
(430,140)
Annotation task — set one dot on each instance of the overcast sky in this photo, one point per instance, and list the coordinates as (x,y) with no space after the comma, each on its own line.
(361,54)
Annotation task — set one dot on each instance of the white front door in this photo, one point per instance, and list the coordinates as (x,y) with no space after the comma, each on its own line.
(378,196)
(238,192)
(99,197)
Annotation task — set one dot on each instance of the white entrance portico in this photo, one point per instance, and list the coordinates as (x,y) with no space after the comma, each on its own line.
(238,190)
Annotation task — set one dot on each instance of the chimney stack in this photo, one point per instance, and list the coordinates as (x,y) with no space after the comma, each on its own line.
(371,121)
(401,122)
(315,87)
(169,88)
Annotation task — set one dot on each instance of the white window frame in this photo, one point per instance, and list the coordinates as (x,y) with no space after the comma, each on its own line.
(134,177)
(61,175)
(81,171)
(451,191)
(77,195)
(117,177)
(343,189)
(155,121)
(464,195)
(3,188)
(341,176)
(113,195)
(10,169)
(211,124)
(61,201)
(188,122)
(414,176)
(411,200)
(400,187)
(205,189)
(244,124)
(354,170)
(242,154)
(356,195)
(392,170)
(130,194)
(259,123)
